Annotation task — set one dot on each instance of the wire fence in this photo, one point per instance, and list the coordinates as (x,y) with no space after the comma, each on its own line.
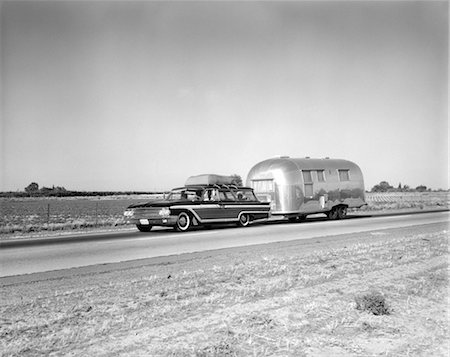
(30,214)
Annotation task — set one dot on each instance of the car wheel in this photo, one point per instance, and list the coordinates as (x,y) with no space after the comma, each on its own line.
(342,212)
(144,228)
(183,222)
(244,220)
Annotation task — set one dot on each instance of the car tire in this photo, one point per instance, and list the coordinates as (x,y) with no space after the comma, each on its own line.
(183,222)
(244,220)
(144,228)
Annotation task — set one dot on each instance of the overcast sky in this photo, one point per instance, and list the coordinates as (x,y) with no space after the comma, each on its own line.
(141,95)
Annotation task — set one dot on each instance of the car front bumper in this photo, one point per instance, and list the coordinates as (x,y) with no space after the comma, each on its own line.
(160,221)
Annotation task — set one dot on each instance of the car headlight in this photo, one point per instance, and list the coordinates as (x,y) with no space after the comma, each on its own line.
(128,213)
(164,212)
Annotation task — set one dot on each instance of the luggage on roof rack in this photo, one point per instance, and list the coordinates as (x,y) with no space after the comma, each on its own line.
(209,179)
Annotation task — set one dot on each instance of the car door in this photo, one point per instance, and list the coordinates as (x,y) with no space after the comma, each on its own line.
(209,209)
(230,209)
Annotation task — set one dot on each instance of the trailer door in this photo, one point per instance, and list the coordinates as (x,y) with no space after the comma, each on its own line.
(308,184)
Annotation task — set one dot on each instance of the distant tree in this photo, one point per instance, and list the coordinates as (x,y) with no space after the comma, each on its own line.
(59,191)
(32,188)
(399,188)
(54,191)
(237,180)
(45,191)
(421,188)
(383,186)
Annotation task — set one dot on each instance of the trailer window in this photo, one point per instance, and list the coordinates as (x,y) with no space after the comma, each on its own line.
(263,185)
(320,176)
(343,175)
(307,177)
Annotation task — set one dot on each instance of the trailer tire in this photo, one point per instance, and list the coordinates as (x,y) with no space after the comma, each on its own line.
(184,222)
(244,220)
(342,212)
(333,214)
(144,228)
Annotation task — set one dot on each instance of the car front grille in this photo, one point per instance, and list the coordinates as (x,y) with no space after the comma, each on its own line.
(147,212)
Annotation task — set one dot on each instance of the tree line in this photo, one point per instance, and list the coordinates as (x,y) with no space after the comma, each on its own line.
(384,186)
(33,190)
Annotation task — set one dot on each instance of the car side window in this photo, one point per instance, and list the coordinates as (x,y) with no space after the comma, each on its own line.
(210,195)
(206,195)
(226,196)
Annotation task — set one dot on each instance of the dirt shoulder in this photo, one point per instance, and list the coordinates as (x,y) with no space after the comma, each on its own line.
(282,299)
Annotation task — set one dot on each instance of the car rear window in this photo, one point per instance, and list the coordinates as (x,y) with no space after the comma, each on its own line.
(245,195)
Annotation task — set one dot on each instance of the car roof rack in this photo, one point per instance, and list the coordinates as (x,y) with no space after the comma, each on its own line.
(200,187)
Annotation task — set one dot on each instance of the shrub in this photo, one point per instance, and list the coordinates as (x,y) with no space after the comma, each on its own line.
(373,302)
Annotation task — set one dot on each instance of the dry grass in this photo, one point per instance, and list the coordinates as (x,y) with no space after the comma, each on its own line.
(269,301)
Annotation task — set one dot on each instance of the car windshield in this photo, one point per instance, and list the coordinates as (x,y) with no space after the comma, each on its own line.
(184,194)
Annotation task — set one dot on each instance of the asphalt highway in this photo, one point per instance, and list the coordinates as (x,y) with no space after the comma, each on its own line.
(95,249)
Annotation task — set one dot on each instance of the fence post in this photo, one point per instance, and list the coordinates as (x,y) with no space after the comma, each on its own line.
(48,214)
(96,213)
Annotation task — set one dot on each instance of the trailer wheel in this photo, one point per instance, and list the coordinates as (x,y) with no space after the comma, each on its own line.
(183,222)
(342,212)
(144,228)
(244,220)
(333,214)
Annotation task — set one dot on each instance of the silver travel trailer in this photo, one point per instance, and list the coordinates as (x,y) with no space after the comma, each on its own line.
(297,187)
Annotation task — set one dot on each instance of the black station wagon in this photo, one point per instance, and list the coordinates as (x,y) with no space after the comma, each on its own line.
(200,204)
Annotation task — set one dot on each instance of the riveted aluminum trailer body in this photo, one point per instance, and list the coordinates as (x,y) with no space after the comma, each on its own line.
(296,187)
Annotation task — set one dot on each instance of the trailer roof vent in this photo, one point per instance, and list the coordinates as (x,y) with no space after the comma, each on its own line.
(284,157)
(307,157)
(327,158)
